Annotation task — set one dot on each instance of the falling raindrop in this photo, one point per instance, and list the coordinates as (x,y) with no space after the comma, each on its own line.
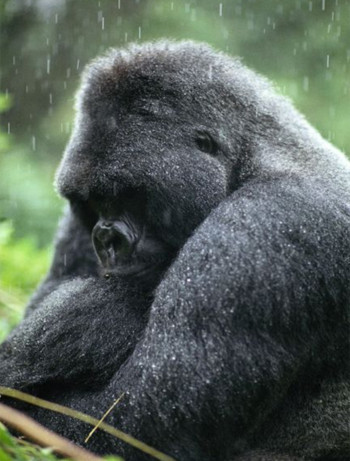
(210,72)
(220,9)
(33,143)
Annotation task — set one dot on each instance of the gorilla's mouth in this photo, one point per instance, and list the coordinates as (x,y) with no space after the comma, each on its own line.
(125,247)
(125,239)
(115,241)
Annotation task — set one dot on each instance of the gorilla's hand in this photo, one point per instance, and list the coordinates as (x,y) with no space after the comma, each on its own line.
(68,338)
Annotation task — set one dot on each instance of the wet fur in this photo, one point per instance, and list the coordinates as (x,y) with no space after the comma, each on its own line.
(237,345)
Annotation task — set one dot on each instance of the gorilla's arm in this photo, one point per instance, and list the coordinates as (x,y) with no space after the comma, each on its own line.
(252,302)
(74,256)
(78,336)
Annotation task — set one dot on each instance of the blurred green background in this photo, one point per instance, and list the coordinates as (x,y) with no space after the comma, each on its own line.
(302,45)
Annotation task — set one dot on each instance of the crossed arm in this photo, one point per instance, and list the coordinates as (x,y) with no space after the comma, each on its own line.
(250,299)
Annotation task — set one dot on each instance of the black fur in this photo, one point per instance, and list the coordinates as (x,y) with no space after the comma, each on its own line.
(225,318)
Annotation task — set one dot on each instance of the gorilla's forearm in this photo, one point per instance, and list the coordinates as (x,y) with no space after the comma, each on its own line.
(64,340)
(242,349)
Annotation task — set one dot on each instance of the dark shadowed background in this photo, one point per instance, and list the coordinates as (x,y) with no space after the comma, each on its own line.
(302,45)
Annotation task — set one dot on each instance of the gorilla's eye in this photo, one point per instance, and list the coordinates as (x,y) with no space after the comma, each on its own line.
(206,143)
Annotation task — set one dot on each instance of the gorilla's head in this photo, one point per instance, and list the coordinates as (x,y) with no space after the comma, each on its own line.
(162,135)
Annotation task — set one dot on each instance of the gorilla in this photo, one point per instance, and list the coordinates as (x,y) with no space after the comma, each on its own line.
(201,268)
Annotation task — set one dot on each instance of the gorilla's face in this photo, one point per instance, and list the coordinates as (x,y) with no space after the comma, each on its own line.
(147,162)
(123,238)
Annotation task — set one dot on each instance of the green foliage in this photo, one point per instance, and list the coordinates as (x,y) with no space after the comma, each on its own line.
(27,196)
(22,262)
(13,449)
(22,266)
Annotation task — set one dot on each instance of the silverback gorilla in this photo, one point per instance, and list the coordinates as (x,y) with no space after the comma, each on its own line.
(202,267)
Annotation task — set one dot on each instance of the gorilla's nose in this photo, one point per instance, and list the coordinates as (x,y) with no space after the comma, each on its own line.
(113,241)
